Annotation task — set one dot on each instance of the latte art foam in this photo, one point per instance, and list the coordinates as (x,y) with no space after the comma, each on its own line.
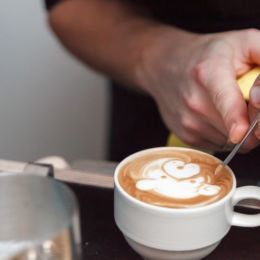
(175,179)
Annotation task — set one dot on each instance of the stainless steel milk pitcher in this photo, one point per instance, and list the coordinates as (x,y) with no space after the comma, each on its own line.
(39,219)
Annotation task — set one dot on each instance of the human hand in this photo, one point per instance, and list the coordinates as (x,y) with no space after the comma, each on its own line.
(193,81)
(254,111)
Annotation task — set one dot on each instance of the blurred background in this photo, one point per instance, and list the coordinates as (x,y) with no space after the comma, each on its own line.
(50,104)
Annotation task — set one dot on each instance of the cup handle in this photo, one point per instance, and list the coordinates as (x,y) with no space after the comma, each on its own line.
(245,220)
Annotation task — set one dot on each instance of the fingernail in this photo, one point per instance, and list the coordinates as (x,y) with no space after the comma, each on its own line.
(255,96)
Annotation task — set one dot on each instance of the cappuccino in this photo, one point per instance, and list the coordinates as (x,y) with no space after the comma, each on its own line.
(175,178)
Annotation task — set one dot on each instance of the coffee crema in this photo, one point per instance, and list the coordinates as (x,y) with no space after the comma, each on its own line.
(175,178)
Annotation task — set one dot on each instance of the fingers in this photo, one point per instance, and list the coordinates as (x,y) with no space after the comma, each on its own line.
(226,96)
(199,142)
(196,132)
(251,39)
(253,52)
(254,105)
(193,130)
(201,106)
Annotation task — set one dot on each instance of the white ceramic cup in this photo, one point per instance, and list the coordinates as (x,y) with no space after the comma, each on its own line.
(170,233)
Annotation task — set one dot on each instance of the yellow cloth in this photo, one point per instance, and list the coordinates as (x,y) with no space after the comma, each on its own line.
(245,83)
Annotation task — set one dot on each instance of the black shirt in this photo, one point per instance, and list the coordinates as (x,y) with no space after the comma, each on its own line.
(200,16)
(135,120)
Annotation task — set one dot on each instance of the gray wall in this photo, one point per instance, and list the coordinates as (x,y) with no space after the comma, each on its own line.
(49,102)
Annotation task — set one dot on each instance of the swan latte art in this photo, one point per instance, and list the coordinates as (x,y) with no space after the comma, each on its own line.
(175,178)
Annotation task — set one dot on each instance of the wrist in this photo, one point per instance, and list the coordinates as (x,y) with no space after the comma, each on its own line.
(161,46)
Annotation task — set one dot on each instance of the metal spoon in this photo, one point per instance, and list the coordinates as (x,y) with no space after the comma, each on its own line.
(237,146)
(251,128)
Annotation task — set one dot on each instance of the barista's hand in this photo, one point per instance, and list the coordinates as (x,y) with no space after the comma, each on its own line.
(193,80)
(254,110)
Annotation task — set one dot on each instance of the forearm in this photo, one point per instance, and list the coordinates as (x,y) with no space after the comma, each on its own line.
(108,35)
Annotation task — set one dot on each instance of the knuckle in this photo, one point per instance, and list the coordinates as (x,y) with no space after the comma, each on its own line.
(250,35)
(183,134)
(187,123)
(189,141)
(200,72)
(195,105)
(219,48)
(218,97)
(251,32)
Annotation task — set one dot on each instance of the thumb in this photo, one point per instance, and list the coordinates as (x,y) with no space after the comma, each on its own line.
(254,103)
(254,100)
(228,99)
